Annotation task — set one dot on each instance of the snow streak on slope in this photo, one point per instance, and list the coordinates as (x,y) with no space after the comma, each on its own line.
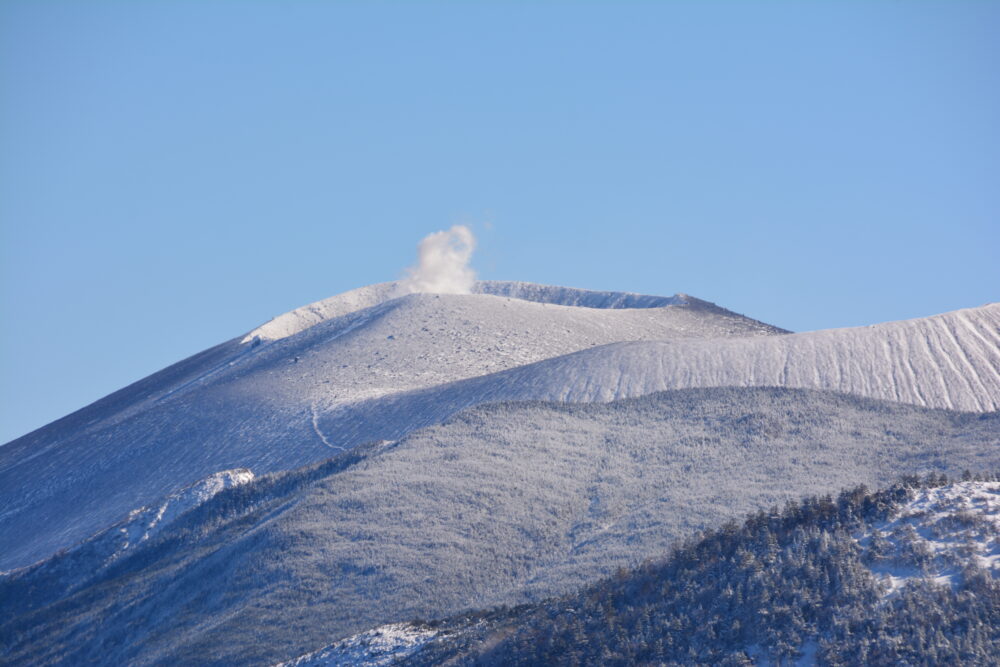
(146,522)
(385,645)
(261,405)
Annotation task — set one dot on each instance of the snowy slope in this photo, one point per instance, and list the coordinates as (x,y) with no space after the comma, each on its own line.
(502,504)
(300,319)
(946,361)
(259,403)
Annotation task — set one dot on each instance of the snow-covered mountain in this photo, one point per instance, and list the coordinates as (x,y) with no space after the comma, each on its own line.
(366,365)
(258,401)
(392,476)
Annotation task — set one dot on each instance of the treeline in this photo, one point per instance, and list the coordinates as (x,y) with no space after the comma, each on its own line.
(782,585)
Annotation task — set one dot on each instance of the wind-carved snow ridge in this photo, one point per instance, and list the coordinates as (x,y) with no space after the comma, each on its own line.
(384,645)
(936,535)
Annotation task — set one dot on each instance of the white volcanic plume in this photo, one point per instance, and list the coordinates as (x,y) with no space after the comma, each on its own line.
(442,264)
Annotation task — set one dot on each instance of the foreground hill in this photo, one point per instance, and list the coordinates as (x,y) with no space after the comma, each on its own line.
(503,504)
(257,401)
(906,576)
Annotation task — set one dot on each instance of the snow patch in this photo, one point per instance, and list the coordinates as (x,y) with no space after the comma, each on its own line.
(383,645)
(146,522)
(935,535)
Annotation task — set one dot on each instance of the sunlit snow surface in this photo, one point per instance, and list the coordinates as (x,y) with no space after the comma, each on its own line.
(145,522)
(384,645)
(937,533)
(300,319)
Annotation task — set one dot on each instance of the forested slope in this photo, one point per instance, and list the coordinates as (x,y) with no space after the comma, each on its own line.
(503,504)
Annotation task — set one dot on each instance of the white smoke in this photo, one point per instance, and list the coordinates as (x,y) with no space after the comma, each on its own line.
(442,264)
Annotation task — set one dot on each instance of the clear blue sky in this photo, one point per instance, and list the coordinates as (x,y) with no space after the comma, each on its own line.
(174,173)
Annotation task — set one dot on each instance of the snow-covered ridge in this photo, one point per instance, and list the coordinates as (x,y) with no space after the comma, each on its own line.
(302,318)
(572,296)
(935,535)
(945,361)
(145,522)
(384,645)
